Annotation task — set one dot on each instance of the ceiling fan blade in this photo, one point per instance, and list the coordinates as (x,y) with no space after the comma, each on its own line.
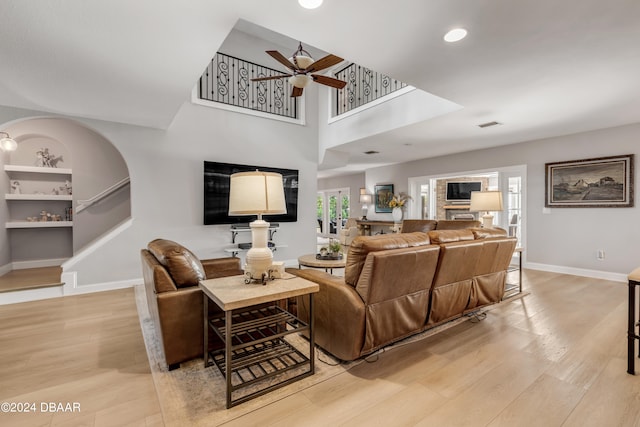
(257,79)
(329,81)
(297,91)
(281,59)
(323,63)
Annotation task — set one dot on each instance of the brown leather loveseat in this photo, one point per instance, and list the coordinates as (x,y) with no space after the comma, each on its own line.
(396,285)
(171,274)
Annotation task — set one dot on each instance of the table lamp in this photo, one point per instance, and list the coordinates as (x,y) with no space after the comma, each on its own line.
(486,201)
(257,193)
(365,199)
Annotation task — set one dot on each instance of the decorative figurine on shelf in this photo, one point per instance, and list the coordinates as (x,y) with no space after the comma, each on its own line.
(43,215)
(15,187)
(66,188)
(47,160)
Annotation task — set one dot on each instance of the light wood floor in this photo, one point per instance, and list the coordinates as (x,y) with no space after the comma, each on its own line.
(86,349)
(555,358)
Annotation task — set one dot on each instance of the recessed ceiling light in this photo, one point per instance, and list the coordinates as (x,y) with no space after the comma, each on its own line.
(310,4)
(455,35)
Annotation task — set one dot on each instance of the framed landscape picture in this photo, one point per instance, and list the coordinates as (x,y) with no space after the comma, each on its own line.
(601,182)
(384,194)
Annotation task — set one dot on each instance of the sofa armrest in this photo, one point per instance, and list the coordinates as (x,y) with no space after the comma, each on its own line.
(221,267)
(181,324)
(339,314)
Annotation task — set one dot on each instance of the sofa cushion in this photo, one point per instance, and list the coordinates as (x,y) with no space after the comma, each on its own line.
(456,224)
(447,236)
(487,233)
(424,225)
(184,267)
(362,245)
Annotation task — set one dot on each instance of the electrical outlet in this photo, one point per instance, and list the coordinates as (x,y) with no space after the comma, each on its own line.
(600,255)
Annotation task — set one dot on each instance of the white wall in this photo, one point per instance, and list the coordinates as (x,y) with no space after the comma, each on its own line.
(166,169)
(565,238)
(412,107)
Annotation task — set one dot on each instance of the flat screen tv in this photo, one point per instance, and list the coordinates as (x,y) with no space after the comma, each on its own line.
(461,191)
(216,193)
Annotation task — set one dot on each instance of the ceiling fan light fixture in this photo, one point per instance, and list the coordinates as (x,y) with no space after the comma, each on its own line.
(299,80)
(310,4)
(455,35)
(302,61)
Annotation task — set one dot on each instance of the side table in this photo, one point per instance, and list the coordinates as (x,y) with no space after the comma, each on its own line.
(328,264)
(253,329)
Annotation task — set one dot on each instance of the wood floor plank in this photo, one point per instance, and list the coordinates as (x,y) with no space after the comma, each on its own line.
(547,402)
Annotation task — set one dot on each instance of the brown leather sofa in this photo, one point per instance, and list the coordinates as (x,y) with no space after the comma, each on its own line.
(171,274)
(396,285)
(426,225)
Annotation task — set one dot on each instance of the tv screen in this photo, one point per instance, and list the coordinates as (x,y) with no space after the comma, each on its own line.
(461,191)
(216,193)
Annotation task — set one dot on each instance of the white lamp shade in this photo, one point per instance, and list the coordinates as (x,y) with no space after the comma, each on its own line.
(365,198)
(486,201)
(256,192)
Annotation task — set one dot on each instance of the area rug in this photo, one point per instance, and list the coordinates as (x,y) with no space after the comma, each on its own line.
(194,395)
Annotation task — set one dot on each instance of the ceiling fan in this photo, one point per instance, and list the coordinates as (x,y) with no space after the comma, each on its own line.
(301,65)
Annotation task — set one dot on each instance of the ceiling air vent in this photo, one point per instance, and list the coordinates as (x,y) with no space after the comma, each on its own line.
(372,152)
(488,124)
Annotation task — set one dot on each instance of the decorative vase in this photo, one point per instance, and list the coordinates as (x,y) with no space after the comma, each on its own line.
(396,213)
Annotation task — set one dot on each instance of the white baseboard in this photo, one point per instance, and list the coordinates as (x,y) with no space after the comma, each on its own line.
(596,274)
(71,286)
(26,295)
(5,269)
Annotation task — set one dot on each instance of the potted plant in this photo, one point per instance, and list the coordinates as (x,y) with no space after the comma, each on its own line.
(335,247)
(397,204)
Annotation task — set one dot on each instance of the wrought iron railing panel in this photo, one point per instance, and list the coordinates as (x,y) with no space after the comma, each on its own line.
(363,86)
(228,80)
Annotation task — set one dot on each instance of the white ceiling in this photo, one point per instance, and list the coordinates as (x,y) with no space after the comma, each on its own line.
(541,67)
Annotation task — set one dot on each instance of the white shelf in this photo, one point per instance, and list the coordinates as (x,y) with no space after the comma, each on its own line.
(38,197)
(37,169)
(38,224)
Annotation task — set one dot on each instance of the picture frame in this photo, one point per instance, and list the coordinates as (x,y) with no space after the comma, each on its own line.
(383,195)
(603,182)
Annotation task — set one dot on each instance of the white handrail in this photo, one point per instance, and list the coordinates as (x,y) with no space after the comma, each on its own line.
(84,204)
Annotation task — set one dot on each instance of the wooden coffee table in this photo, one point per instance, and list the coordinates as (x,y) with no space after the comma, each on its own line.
(328,264)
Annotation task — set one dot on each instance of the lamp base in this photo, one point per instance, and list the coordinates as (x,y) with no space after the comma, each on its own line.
(259,257)
(487,221)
